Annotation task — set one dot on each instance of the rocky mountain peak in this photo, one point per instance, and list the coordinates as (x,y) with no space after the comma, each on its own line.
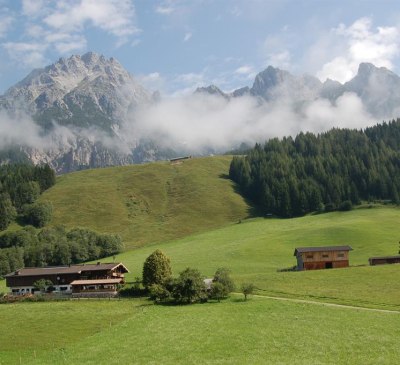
(212,90)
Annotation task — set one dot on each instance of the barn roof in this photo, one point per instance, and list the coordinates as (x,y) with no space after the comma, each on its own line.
(321,249)
(384,257)
(71,269)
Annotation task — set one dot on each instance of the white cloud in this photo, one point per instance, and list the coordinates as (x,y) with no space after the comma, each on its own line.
(5,24)
(187,36)
(244,70)
(202,121)
(33,8)
(113,16)
(61,26)
(27,54)
(347,47)
(152,81)
(276,51)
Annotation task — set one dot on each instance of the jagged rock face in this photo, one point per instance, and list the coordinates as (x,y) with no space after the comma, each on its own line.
(273,84)
(212,90)
(80,91)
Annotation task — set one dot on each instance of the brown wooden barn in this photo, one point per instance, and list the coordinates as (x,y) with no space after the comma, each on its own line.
(327,257)
(384,260)
(99,279)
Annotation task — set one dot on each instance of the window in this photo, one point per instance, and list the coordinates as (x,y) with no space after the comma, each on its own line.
(63,288)
(309,256)
(325,255)
(340,254)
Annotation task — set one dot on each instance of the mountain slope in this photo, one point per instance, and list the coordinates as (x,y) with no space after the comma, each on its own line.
(149,203)
(84,91)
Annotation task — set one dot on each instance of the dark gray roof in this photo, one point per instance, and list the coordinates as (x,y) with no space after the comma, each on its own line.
(72,269)
(320,249)
(384,257)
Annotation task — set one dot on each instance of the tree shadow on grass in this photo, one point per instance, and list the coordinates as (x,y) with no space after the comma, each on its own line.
(252,211)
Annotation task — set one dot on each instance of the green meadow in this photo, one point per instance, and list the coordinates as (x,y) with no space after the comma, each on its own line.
(256,249)
(192,213)
(149,203)
(259,331)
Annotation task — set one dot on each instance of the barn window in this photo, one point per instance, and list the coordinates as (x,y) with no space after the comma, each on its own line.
(325,255)
(341,254)
(310,256)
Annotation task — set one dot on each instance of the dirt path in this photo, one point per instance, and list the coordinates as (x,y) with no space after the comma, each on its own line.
(327,304)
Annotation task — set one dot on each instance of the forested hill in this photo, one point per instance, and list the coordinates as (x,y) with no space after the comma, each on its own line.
(291,177)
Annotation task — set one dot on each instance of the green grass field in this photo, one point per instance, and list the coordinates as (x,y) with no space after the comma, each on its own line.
(149,203)
(259,331)
(191,212)
(254,250)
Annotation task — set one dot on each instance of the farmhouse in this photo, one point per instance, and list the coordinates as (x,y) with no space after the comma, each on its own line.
(83,280)
(328,257)
(383,260)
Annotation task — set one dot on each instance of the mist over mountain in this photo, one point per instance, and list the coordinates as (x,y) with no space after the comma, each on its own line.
(88,111)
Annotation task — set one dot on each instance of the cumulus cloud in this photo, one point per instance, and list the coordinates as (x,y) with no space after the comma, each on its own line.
(61,25)
(359,42)
(27,54)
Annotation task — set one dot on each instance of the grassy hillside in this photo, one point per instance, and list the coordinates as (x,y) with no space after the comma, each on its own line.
(149,203)
(259,331)
(257,248)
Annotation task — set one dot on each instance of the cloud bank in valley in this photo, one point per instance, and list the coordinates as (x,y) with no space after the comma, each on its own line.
(203,122)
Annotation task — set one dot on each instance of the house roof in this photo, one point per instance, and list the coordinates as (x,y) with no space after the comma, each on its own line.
(96,281)
(384,257)
(72,269)
(321,249)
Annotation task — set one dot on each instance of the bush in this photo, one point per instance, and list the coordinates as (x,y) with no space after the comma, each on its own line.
(159,293)
(38,214)
(218,291)
(329,207)
(189,287)
(222,276)
(345,206)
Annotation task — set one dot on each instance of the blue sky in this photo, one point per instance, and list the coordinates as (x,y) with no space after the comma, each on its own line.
(177,45)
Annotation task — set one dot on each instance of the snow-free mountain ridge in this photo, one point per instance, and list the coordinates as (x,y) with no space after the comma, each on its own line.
(82,104)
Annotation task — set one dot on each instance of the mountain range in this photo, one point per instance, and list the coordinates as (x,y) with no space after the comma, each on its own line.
(80,107)
(378,88)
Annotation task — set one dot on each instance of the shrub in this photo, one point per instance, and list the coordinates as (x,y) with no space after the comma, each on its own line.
(189,287)
(222,276)
(159,293)
(38,214)
(345,206)
(218,291)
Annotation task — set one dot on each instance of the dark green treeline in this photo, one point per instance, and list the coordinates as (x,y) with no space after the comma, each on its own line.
(292,177)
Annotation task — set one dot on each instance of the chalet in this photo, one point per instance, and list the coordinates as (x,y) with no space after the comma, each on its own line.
(328,257)
(83,280)
(383,260)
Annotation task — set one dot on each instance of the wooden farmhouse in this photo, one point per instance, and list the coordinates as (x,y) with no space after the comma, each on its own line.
(316,258)
(83,280)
